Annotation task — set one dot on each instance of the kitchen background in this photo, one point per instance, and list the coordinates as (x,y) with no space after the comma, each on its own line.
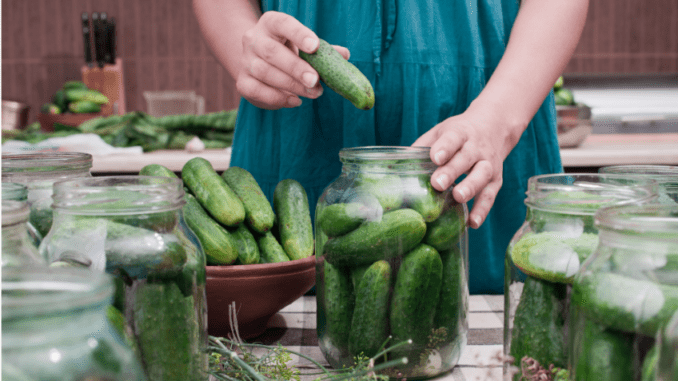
(161,48)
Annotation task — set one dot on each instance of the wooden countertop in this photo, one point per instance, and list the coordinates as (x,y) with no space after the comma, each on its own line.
(596,151)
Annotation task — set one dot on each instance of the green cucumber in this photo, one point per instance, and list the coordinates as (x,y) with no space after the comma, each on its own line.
(415,296)
(270,250)
(420,195)
(84,107)
(212,192)
(605,354)
(50,108)
(625,303)
(649,370)
(168,336)
(337,301)
(452,305)
(445,232)
(341,218)
(388,189)
(258,211)
(157,170)
(369,323)
(70,85)
(357,274)
(395,234)
(538,324)
(340,75)
(294,219)
(246,244)
(59,99)
(219,246)
(75,95)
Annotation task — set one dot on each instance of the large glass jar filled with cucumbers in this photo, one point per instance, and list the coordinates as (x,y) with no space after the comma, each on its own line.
(133,228)
(392,268)
(665,178)
(558,235)
(665,359)
(38,172)
(57,324)
(17,248)
(624,294)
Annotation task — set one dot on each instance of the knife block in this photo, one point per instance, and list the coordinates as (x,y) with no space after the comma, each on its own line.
(109,81)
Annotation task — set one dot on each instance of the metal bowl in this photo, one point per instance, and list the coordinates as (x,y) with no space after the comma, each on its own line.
(574,125)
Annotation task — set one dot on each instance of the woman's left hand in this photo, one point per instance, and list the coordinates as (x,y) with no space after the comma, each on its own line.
(475,143)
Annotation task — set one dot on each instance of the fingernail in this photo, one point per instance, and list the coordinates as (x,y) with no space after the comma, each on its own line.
(476,220)
(442,181)
(317,91)
(310,79)
(462,193)
(293,101)
(439,156)
(310,44)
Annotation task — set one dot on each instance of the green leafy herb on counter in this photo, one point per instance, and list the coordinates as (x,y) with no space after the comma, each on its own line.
(140,129)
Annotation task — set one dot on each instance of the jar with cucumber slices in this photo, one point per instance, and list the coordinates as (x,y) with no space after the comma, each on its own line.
(664,176)
(133,228)
(542,258)
(624,294)
(56,325)
(392,265)
(38,172)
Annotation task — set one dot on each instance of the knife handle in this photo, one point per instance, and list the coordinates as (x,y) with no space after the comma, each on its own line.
(86,33)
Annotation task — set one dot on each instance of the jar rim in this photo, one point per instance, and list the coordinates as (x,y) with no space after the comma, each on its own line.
(585,193)
(92,195)
(14,212)
(45,161)
(641,170)
(384,153)
(650,218)
(41,290)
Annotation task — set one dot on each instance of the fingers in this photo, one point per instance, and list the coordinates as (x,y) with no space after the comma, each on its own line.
(264,96)
(343,51)
(483,203)
(287,27)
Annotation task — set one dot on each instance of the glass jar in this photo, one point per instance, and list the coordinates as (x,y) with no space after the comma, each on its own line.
(624,293)
(133,227)
(19,192)
(666,352)
(38,171)
(17,248)
(393,264)
(542,258)
(55,327)
(665,177)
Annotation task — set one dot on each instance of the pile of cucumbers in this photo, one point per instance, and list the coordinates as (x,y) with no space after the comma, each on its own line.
(75,97)
(391,271)
(234,221)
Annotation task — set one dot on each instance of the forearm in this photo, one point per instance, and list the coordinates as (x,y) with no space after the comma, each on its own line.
(542,41)
(223,23)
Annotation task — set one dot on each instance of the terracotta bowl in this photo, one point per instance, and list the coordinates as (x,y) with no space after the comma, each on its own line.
(259,292)
(47,120)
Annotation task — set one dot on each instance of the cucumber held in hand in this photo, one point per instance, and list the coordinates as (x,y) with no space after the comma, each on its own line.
(341,75)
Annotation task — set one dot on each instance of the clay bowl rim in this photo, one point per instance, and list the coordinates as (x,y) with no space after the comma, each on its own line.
(260,269)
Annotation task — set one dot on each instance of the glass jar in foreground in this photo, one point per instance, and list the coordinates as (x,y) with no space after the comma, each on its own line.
(542,258)
(38,171)
(17,248)
(624,294)
(665,177)
(55,327)
(133,227)
(394,264)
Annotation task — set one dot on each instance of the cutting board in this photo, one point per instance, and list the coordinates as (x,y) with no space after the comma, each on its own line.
(109,81)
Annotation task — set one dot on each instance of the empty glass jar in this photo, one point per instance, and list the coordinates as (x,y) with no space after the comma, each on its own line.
(17,248)
(544,255)
(38,171)
(665,178)
(55,327)
(624,294)
(133,227)
(391,264)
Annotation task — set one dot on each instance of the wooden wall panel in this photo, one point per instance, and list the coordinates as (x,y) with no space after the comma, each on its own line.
(162,48)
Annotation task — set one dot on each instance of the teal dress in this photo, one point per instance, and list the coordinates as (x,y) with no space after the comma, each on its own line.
(427,60)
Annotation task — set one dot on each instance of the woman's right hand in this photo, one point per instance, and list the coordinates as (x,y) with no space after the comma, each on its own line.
(272,75)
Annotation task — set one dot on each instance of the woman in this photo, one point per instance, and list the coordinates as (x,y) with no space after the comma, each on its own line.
(472,79)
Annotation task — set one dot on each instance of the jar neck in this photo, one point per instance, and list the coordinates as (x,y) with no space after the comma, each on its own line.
(14,235)
(387,160)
